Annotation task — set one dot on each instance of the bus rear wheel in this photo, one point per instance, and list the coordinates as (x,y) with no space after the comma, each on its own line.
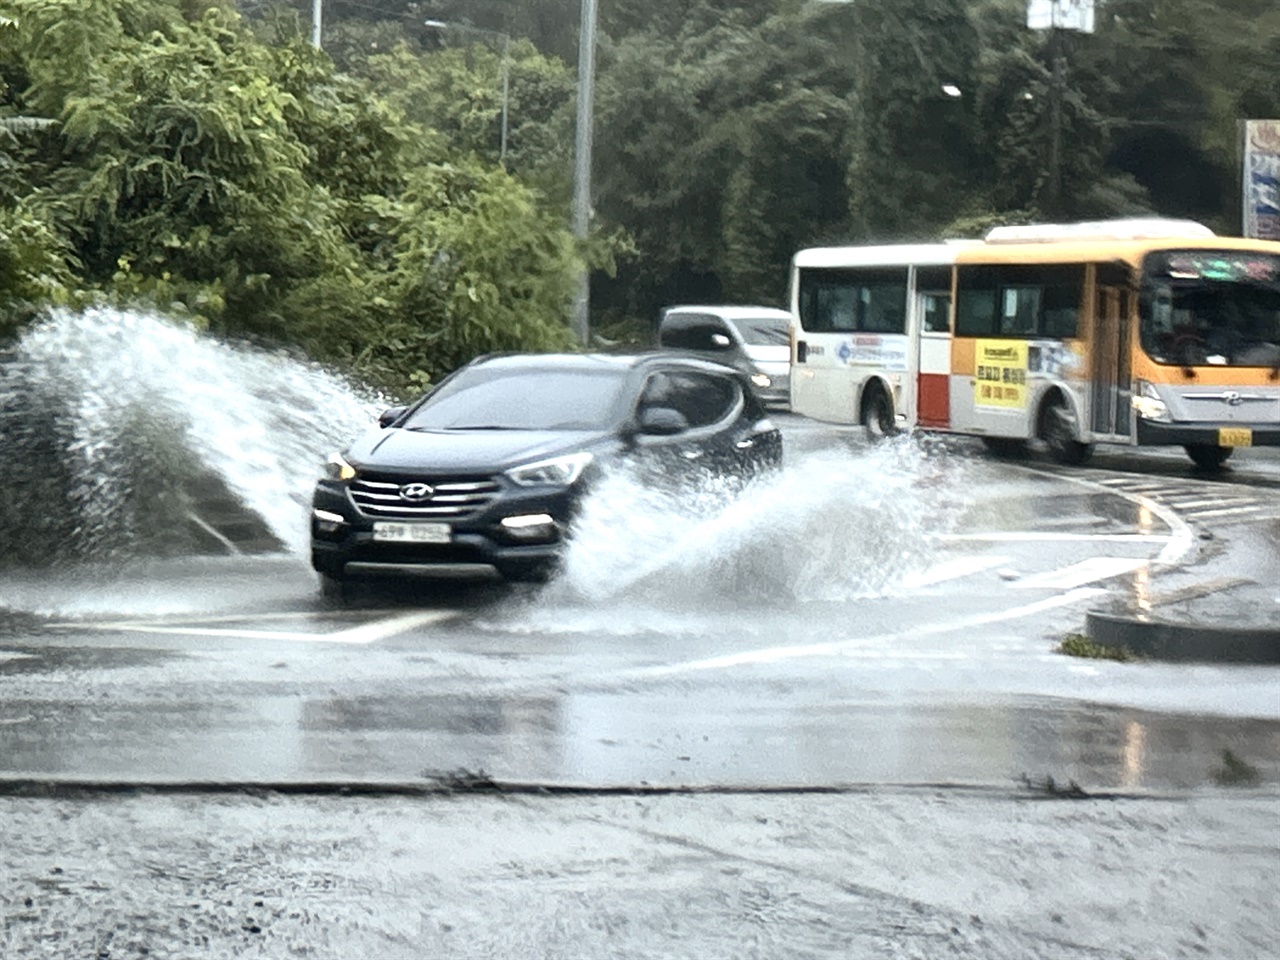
(1058,431)
(877,415)
(1208,456)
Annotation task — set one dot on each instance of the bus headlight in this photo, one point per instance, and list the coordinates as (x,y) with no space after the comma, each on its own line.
(1147,403)
(761,380)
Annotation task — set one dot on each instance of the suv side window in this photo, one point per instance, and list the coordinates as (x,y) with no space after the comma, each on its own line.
(703,398)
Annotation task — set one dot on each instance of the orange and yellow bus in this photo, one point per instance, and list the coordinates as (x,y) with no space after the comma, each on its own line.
(1139,332)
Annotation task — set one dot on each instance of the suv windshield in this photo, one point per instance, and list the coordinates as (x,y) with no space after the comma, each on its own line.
(1214,307)
(503,399)
(763,331)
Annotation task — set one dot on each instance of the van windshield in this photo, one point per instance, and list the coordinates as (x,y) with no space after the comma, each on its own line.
(763,331)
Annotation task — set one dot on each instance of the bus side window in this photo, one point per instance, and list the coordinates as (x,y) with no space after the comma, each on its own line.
(937,310)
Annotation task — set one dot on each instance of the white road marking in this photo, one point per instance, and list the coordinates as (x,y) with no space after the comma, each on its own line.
(1047,536)
(1078,574)
(1181,539)
(951,570)
(1193,504)
(1225,512)
(850,647)
(360,635)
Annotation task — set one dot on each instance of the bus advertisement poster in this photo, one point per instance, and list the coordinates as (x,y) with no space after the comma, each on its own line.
(1001,374)
(1261,179)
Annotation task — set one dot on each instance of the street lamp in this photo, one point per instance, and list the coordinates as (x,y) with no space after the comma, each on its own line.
(506,71)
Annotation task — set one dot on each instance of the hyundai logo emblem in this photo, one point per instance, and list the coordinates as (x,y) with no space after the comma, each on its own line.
(1233,399)
(416,492)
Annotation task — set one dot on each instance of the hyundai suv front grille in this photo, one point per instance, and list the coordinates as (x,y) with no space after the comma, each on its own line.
(413,499)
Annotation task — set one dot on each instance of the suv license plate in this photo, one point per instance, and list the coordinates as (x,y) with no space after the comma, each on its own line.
(1235,437)
(387,532)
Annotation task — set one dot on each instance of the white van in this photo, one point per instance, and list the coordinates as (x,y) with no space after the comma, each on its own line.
(756,340)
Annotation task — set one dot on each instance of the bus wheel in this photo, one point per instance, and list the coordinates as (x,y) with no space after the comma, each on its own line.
(1058,431)
(1208,456)
(877,415)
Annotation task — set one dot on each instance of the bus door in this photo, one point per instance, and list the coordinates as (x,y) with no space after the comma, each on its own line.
(1109,373)
(932,348)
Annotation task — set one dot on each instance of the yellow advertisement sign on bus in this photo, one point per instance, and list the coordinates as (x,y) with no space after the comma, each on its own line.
(1001,373)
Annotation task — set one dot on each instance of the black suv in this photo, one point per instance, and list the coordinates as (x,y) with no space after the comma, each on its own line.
(480,477)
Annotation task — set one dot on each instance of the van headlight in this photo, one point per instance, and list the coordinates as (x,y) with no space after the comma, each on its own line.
(337,468)
(1147,403)
(557,471)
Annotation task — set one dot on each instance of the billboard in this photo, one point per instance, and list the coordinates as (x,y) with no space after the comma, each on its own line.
(1261,179)
(1060,14)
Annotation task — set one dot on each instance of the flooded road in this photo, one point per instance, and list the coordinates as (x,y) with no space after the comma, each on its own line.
(872,616)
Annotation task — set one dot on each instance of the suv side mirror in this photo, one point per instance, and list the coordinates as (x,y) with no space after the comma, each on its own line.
(390,416)
(662,421)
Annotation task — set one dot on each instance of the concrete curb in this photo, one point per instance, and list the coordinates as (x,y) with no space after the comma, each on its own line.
(1184,642)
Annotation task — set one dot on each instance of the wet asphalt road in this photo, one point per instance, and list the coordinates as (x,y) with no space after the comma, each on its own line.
(995,798)
(793,643)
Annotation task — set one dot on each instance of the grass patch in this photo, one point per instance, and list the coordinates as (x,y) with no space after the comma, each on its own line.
(1078,645)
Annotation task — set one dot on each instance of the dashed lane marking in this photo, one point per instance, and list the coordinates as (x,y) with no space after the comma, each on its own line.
(363,634)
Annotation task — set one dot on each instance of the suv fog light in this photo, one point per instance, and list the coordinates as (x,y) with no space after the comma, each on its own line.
(530,527)
(327,522)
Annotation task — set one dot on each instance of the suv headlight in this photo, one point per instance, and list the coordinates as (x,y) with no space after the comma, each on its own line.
(337,468)
(560,471)
(1147,403)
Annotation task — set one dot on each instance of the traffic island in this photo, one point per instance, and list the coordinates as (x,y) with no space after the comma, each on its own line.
(1151,637)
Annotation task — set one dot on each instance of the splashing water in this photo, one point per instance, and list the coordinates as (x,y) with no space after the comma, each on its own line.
(111,418)
(829,527)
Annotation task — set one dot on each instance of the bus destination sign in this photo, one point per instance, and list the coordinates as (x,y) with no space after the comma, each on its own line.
(1220,265)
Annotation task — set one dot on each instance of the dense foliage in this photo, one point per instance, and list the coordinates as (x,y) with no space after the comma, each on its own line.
(202,156)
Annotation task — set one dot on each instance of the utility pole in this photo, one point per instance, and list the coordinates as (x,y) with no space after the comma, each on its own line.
(582,164)
(1058,17)
(506,69)
(1053,189)
(317,14)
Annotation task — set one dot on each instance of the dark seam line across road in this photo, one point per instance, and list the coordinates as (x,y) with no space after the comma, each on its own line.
(58,788)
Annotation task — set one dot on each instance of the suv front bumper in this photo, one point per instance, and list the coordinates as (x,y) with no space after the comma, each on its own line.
(479,547)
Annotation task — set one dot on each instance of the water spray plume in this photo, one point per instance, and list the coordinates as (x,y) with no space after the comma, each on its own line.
(123,431)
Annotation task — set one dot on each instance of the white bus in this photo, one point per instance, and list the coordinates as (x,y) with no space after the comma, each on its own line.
(1137,331)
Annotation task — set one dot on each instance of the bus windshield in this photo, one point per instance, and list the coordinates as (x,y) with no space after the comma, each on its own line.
(1211,307)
